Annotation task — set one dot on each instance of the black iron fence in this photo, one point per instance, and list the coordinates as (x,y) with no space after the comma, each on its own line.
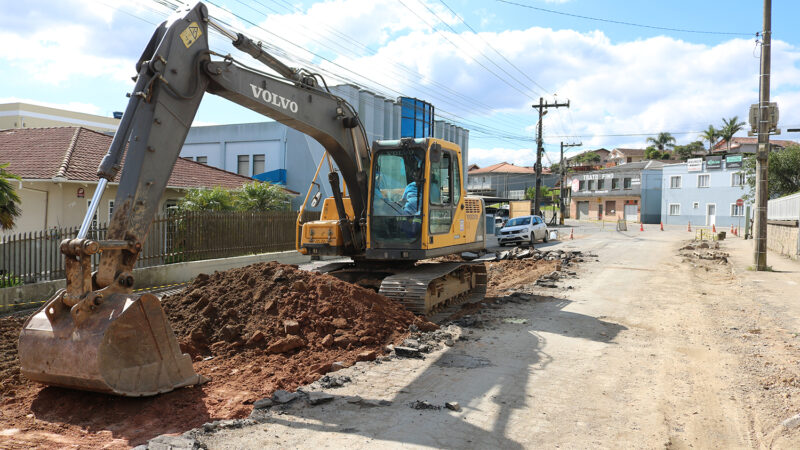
(35,256)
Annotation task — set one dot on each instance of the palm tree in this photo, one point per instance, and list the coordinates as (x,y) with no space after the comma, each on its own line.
(711,134)
(729,128)
(663,141)
(257,196)
(9,200)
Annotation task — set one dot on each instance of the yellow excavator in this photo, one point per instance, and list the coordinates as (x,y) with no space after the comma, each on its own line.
(405,202)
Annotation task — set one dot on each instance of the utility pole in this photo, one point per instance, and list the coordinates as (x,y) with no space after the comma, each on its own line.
(542,107)
(563,192)
(762,153)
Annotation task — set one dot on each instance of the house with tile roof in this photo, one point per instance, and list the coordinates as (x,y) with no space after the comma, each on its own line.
(505,180)
(58,169)
(748,145)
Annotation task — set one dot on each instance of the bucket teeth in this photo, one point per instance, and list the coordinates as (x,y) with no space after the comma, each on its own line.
(126,347)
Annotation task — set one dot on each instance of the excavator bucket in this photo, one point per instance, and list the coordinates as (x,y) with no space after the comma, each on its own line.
(125,347)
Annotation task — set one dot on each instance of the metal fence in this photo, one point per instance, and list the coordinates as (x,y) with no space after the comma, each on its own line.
(784,208)
(35,256)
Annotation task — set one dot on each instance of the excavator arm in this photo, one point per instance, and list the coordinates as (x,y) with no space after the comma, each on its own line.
(96,334)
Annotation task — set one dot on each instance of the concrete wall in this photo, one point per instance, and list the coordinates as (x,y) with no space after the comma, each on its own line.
(618,211)
(651,196)
(694,200)
(24,115)
(784,239)
(35,294)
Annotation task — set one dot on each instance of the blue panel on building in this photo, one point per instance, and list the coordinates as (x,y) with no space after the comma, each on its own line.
(416,118)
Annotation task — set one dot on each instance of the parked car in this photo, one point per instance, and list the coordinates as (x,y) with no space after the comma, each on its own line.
(523,229)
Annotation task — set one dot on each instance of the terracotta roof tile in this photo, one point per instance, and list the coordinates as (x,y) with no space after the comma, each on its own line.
(75,152)
(505,167)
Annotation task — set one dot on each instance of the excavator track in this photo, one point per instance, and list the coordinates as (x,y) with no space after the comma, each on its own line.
(423,289)
(429,287)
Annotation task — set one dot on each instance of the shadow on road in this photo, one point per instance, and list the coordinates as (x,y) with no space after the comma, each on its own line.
(488,376)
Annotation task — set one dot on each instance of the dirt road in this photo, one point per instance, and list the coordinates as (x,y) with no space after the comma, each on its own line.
(645,351)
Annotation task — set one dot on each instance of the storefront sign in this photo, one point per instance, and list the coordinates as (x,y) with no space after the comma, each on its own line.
(713,162)
(733,161)
(694,164)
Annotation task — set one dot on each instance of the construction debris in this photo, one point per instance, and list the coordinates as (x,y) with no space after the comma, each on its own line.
(705,251)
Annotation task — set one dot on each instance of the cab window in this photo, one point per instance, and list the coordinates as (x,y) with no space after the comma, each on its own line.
(441,211)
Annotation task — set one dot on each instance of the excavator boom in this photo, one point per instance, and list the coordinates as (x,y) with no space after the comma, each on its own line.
(96,334)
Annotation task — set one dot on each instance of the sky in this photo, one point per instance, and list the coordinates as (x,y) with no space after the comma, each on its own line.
(675,66)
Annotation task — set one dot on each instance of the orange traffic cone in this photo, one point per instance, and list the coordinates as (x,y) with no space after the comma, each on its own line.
(662,226)
(641,226)
(713,228)
(733,232)
(572,233)
(689,227)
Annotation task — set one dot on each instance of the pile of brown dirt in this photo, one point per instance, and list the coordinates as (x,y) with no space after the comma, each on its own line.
(251,330)
(10,377)
(514,273)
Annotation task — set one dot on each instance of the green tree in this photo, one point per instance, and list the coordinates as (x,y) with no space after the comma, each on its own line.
(588,158)
(203,199)
(783,173)
(653,153)
(9,200)
(729,128)
(544,193)
(685,152)
(710,134)
(664,141)
(258,196)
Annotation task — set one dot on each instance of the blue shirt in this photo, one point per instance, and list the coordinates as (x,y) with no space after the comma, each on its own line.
(411,198)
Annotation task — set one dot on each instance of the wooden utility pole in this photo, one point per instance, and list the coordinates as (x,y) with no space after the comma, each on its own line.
(762,153)
(563,192)
(542,107)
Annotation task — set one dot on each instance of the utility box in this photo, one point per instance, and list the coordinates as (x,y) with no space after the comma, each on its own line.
(519,208)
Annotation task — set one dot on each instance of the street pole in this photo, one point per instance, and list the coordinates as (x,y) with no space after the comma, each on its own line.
(762,153)
(542,107)
(562,192)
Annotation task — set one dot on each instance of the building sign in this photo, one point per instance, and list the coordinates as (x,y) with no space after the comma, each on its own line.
(576,185)
(733,161)
(694,164)
(713,162)
(597,176)
(81,193)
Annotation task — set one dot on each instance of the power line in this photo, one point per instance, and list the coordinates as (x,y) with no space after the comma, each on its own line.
(492,47)
(619,22)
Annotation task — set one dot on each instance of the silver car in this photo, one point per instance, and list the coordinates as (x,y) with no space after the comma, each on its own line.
(523,229)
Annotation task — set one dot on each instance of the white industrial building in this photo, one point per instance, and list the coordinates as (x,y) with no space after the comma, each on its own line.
(273,152)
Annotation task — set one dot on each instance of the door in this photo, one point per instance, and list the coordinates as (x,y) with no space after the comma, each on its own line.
(631,212)
(711,214)
(583,210)
(600,211)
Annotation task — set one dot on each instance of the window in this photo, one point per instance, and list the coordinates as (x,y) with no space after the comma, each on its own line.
(243,165)
(675,182)
(202,159)
(611,207)
(582,185)
(456,181)
(703,181)
(737,211)
(258,164)
(110,209)
(696,205)
(615,183)
(601,184)
(737,179)
(441,218)
(396,199)
(591,185)
(94,219)
(674,209)
(626,183)
(629,159)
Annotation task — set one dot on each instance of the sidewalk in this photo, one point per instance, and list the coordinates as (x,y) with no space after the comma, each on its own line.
(779,288)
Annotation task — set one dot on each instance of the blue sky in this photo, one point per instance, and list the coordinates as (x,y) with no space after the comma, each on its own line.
(620,79)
